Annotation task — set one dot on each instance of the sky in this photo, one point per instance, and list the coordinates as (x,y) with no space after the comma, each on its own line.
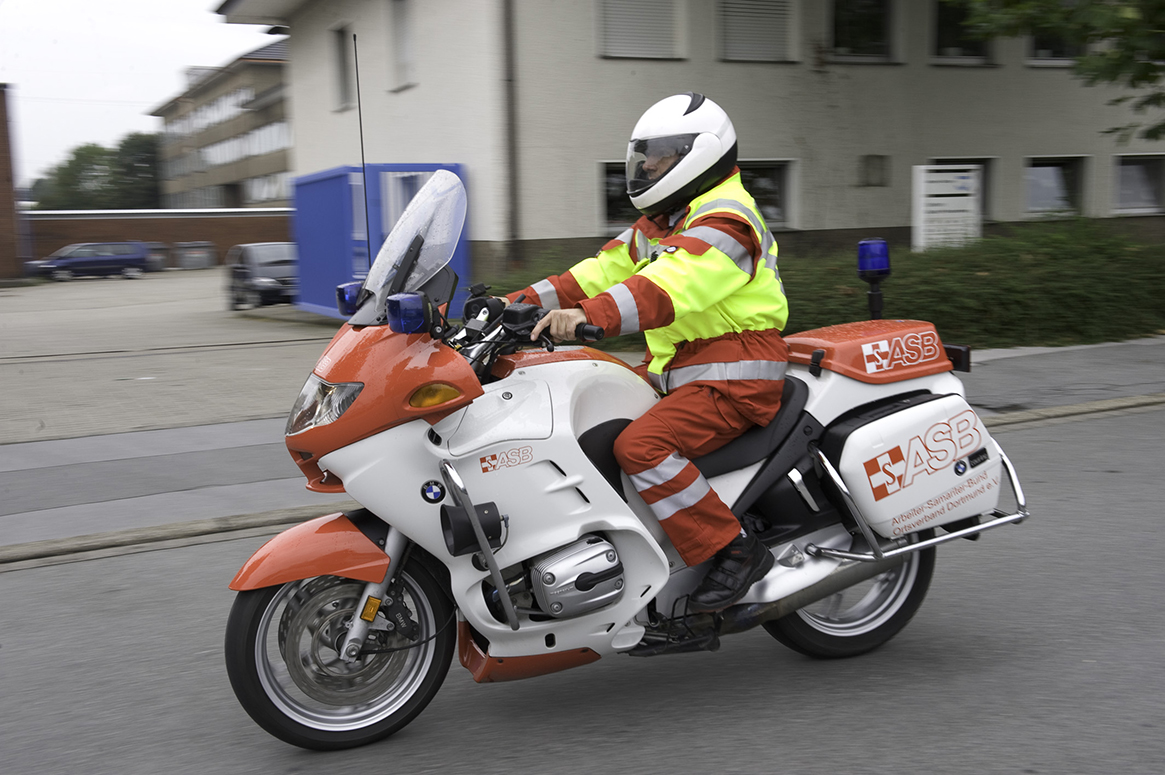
(90,71)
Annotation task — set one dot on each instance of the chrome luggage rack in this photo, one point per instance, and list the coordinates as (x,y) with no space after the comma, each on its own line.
(894,548)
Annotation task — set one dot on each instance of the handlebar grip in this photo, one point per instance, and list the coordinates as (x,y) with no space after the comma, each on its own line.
(585,332)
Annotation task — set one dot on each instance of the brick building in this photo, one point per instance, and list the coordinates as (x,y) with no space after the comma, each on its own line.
(9,259)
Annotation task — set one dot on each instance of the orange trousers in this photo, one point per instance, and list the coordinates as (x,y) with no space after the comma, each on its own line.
(656,450)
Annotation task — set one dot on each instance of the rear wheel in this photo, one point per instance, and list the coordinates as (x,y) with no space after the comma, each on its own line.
(284,664)
(860,618)
(131,272)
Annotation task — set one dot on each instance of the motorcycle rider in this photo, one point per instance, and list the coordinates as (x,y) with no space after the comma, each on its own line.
(698,274)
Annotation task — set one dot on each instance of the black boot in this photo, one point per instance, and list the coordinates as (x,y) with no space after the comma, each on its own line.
(735,568)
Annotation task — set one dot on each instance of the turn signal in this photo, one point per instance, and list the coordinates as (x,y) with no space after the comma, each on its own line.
(432,395)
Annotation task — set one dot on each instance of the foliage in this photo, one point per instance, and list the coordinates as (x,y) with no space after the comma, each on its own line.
(1049,283)
(1123,43)
(98,178)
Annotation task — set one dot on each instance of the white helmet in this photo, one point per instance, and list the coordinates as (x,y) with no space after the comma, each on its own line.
(680,148)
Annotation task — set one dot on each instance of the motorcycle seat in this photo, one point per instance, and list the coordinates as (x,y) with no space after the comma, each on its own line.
(758,442)
(751,446)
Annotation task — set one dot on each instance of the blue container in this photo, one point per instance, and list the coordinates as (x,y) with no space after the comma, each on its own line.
(332,226)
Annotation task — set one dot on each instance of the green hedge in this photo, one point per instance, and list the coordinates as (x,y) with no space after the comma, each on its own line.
(1055,283)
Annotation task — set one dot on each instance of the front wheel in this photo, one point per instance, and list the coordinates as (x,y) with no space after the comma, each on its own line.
(284,664)
(859,618)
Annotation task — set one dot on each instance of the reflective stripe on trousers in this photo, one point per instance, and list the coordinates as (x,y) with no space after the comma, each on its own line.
(669,469)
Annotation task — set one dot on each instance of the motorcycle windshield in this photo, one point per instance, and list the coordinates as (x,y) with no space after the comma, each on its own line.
(436,216)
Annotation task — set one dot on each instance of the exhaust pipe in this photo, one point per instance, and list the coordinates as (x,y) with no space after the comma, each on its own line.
(739,618)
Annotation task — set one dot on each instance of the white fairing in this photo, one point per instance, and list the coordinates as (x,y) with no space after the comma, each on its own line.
(517,446)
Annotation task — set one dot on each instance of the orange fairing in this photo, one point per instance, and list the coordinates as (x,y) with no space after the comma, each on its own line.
(487,669)
(874,351)
(508,364)
(392,367)
(327,546)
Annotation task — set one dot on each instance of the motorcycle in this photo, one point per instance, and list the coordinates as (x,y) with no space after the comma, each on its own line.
(496,522)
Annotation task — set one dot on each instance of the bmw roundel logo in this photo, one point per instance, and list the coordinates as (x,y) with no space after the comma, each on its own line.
(961,467)
(433,491)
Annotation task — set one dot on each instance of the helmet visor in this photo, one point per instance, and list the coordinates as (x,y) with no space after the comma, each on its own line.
(650,160)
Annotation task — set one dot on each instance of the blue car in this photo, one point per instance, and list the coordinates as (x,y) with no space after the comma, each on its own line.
(87,259)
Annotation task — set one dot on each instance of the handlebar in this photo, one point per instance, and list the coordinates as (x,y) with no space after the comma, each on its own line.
(585,332)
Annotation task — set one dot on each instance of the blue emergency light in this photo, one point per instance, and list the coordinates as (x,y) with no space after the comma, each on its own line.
(346,297)
(873,267)
(407,313)
(873,260)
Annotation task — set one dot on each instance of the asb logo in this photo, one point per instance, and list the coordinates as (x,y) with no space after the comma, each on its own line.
(941,445)
(906,350)
(507,459)
(885,473)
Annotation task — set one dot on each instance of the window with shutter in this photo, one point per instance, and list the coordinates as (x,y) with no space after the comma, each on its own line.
(755,30)
(639,29)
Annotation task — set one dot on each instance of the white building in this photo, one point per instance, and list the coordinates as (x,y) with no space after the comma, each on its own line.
(834,101)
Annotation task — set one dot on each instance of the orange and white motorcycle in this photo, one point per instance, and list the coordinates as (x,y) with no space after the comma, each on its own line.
(497,524)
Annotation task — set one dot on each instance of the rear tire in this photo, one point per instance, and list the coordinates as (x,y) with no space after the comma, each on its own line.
(131,273)
(862,617)
(283,664)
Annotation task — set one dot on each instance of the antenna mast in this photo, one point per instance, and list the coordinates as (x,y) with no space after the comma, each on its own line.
(363,171)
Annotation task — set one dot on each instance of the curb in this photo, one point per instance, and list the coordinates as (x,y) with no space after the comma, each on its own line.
(56,547)
(59,547)
(1074,410)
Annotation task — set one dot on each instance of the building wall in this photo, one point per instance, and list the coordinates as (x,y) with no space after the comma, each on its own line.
(576,110)
(451,113)
(9,265)
(822,115)
(51,231)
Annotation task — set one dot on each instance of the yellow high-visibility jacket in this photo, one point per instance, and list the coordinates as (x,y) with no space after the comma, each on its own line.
(703,286)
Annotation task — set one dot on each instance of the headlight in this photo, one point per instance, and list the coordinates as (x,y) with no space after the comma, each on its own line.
(320,403)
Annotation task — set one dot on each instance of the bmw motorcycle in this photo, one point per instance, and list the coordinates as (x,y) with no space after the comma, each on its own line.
(497,525)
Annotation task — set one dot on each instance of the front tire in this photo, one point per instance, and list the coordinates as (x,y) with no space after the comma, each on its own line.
(283,663)
(860,618)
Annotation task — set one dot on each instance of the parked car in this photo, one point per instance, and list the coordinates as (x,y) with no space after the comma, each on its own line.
(128,259)
(260,273)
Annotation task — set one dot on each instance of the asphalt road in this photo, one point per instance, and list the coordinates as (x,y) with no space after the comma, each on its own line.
(1038,650)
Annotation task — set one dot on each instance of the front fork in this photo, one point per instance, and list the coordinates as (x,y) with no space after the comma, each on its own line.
(395,544)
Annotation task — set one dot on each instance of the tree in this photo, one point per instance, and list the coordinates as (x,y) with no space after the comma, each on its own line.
(135,172)
(98,178)
(1123,43)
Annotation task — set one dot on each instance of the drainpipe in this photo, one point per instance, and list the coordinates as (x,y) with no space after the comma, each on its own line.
(511,127)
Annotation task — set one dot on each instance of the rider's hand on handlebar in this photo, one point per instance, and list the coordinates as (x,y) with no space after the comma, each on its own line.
(560,323)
